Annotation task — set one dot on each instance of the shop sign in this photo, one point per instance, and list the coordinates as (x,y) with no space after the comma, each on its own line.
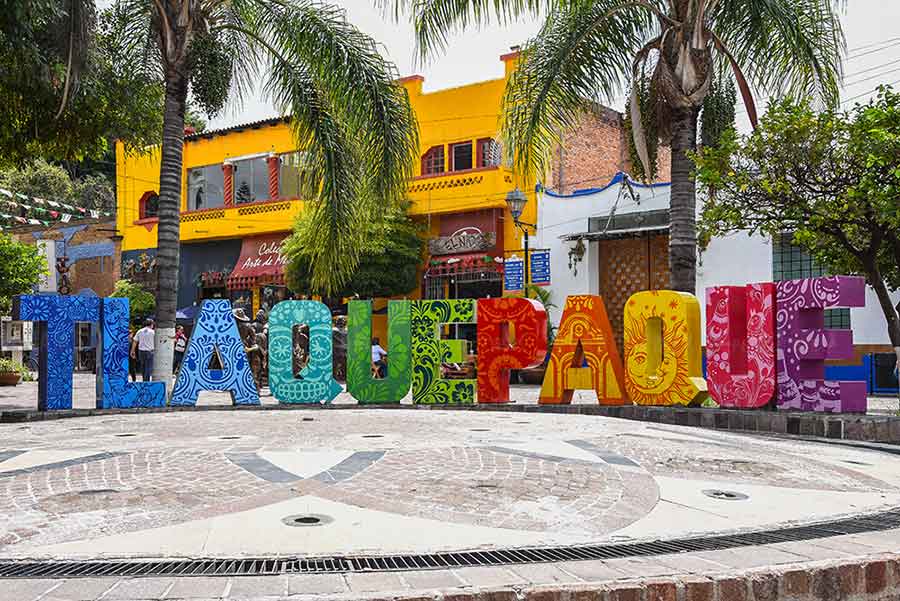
(463,240)
(267,255)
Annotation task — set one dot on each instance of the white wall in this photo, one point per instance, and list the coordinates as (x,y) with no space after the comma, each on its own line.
(732,260)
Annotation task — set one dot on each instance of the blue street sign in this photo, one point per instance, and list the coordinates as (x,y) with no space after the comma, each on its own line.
(514,273)
(540,268)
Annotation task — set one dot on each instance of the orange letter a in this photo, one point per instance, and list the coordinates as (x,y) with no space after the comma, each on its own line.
(584,337)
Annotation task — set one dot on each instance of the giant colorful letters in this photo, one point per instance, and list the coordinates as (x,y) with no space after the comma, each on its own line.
(316,383)
(760,338)
(496,357)
(215,332)
(55,318)
(662,349)
(740,345)
(360,381)
(114,391)
(803,344)
(428,352)
(584,355)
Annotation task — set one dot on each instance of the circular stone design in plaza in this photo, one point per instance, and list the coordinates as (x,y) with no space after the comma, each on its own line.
(406,481)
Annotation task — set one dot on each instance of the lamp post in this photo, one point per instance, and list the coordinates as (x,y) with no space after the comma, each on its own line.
(516,201)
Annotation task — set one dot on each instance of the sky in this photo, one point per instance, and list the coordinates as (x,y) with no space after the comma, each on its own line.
(872,29)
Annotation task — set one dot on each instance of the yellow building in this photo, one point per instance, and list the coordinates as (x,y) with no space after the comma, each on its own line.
(239,200)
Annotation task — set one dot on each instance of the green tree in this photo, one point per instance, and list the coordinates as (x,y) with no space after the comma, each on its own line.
(588,49)
(347,111)
(72,83)
(831,177)
(21,268)
(141,302)
(388,264)
(51,182)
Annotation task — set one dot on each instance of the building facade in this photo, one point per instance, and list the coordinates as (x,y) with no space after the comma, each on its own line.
(240,197)
(612,240)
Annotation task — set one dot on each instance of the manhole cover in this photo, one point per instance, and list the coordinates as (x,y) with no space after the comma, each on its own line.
(77,429)
(850,461)
(307,520)
(479,430)
(521,422)
(725,495)
(373,435)
(489,485)
(309,419)
(125,435)
(229,438)
(98,491)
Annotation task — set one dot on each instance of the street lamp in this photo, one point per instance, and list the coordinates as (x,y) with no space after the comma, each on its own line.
(516,202)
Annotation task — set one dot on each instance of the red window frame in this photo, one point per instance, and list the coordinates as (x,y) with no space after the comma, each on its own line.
(453,158)
(483,158)
(142,205)
(433,161)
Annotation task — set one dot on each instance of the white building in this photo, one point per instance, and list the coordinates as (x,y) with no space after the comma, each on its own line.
(613,241)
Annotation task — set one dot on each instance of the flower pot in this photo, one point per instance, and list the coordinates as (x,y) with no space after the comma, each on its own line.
(10,378)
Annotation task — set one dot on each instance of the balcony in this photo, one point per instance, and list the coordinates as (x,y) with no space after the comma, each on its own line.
(460,191)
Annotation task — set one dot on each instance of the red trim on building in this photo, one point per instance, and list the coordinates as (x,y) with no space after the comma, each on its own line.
(228,183)
(273,162)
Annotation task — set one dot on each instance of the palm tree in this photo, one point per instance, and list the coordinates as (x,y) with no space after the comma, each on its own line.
(346,108)
(589,49)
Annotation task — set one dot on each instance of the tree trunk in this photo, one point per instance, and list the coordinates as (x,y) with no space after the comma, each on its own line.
(884,299)
(168,243)
(683,213)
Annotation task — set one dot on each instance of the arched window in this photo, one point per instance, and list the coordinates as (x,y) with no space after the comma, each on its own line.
(149,205)
(433,161)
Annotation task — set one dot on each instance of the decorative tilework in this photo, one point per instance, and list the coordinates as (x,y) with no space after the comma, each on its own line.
(316,383)
(360,383)
(55,318)
(215,331)
(114,391)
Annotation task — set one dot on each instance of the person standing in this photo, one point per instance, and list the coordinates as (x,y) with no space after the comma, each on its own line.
(132,359)
(378,356)
(180,347)
(143,347)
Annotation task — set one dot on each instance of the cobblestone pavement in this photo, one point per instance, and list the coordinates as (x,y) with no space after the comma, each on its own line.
(230,484)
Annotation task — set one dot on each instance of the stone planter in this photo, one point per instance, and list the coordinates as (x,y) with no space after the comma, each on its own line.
(10,378)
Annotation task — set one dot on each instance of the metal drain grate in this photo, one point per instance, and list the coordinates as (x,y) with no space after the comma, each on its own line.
(382,563)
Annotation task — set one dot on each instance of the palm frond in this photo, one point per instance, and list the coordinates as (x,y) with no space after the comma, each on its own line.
(436,20)
(789,47)
(581,54)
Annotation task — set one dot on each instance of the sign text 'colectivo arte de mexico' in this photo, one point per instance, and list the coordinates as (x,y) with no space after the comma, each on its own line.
(762,341)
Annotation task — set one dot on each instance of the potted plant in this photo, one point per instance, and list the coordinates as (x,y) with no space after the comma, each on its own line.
(10,372)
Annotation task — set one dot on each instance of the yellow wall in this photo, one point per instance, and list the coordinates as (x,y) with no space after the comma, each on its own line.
(468,112)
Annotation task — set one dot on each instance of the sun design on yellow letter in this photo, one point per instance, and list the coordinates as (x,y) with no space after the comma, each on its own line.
(662,349)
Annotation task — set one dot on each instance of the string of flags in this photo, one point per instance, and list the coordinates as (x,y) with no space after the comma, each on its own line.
(40,207)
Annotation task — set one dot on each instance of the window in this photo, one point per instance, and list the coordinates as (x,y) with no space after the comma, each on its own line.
(149,205)
(490,154)
(461,156)
(791,262)
(433,161)
(251,180)
(291,174)
(206,187)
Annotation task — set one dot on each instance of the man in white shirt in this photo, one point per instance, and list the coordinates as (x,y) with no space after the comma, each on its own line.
(143,347)
(378,355)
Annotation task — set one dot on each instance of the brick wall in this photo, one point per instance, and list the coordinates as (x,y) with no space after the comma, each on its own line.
(595,150)
(98,273)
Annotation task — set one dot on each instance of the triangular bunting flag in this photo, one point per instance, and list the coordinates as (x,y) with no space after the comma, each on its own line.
(66,218)
(40,201)
(95,214)
(22,196)
(54,214)
(33,222)
(5,192)
(82,210)
(45,223)
(52,203)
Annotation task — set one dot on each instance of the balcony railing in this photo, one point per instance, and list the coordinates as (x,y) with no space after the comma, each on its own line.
(459,191)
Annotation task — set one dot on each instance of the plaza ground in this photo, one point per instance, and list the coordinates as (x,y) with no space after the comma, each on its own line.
(233,484)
